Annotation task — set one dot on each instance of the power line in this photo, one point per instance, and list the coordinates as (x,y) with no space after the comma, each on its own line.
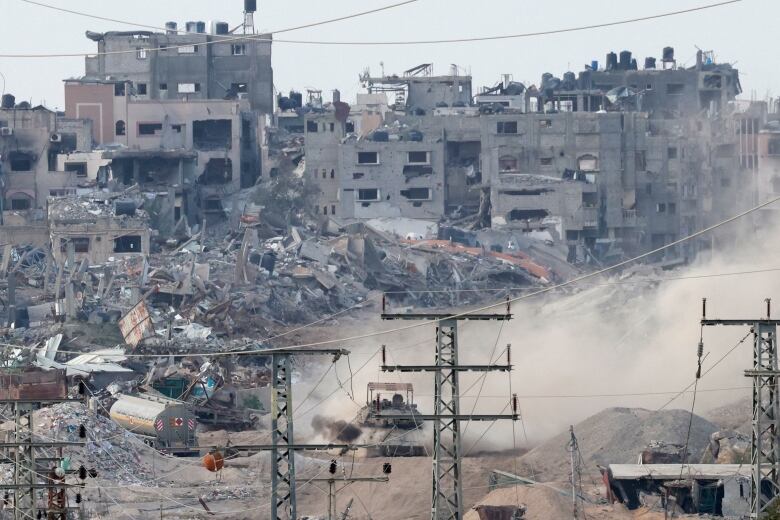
(217,38)
(417,42)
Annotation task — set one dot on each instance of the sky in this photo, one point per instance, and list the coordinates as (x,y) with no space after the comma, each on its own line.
(738,33)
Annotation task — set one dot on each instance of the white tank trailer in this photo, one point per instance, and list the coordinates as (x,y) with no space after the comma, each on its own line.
(167,426)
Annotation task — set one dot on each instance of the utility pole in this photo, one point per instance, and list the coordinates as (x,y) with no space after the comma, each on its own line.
(333,480)
(447,485)
(576,473)
(765,448)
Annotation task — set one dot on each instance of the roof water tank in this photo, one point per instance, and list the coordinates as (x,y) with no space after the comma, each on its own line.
(192,27)
(170,28)
(668,54)
(649,62)
(380,136)
(124,207)
(250,6)
(625,60)
(8,101)
(221,28)
(612,62)
(201,27)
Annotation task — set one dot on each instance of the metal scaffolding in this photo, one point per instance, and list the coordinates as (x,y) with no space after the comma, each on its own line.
(447,485)
(765,449)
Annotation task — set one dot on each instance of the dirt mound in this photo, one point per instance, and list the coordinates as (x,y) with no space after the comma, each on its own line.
(736,415)
(617,436)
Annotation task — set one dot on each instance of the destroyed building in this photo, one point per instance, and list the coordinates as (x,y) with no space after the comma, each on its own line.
(97,228)
(613,161)
(32,141)
(204,150)
(188,64)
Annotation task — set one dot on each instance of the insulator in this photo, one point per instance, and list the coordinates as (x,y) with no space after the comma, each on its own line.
(40,514)
(384,302)
(82,388)
(514,404)
(82,432)
(384,361)
(332,468)
(82,473)
(387,468)
(700,350)
(93,473)
(78,498)
(508,353)
(5,499)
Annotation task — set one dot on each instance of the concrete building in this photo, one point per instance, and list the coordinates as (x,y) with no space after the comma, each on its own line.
(206,150)
(395,171)
(189,64)
(31,141)
(97,227)
(325,128)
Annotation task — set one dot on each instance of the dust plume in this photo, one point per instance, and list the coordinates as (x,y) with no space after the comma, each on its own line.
(336,429)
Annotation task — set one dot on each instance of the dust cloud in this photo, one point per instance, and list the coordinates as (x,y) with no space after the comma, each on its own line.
(621,334)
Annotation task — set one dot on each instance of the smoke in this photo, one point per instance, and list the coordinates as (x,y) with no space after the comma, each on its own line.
(336,429)
(574,349)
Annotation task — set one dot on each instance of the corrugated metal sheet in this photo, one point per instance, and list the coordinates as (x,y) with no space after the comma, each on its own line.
(136,324)
(672,471)
(34,384)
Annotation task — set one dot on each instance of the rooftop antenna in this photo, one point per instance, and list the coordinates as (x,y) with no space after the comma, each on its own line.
(382,66)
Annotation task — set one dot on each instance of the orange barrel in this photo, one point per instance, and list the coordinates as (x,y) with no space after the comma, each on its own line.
(213,461)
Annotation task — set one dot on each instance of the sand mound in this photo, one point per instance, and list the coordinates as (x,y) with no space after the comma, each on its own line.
(617,436)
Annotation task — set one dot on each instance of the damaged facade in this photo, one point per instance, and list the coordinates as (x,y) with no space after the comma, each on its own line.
(613,161)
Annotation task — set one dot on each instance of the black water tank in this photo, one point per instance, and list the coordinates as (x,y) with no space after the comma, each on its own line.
(124,207)
(250,6)
(415,135)
(201,27)
(191,27)
(634,65)
(380,136)
(222,28)
(612,62)
(625,60)
(649,62)
(668,54)
(296,98)
(170,27)
(8,101)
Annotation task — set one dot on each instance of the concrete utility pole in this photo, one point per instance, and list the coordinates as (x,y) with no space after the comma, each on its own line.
(447,489)
(765,449)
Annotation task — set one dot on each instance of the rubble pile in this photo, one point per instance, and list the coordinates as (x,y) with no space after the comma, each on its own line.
(111,449)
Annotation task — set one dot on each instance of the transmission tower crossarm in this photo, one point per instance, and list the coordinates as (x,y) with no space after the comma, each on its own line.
(445,417)
(458,368)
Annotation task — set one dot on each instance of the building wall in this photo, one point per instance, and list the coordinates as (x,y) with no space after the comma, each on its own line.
(188,59)
(323,133)
(101,235)
(389,179)
(94,102)
(39,136)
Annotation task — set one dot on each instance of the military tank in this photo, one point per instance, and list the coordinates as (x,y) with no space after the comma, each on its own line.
(389,421)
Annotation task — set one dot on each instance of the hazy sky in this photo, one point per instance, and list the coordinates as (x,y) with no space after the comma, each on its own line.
(742,33)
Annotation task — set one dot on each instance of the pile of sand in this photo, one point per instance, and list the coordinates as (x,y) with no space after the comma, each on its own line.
(617,436)
(542,502)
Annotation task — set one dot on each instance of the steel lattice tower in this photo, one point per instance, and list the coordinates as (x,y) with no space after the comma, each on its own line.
(447,485)
(447,489)
(282,456)
(765,449)
(25,478)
